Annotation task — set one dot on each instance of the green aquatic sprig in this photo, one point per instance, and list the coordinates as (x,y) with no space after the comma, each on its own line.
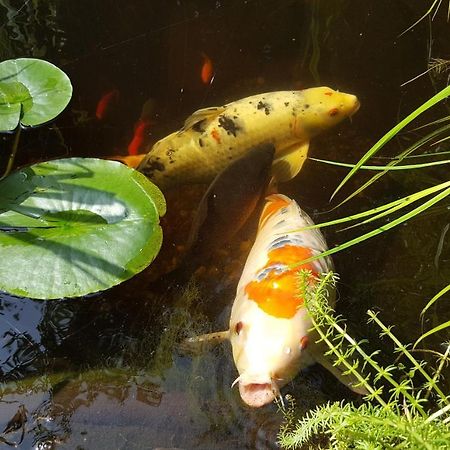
(365,427)
(403,349)
(407,419)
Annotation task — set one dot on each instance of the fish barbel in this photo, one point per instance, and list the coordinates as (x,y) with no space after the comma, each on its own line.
(212,138)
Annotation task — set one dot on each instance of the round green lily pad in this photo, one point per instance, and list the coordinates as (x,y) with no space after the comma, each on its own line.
(32,92)
(75,226)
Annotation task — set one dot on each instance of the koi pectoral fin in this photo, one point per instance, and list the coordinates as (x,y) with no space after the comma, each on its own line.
(198,344)
(317,352)
(288,165)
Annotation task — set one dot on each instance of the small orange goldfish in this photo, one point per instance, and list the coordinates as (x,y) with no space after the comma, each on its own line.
(105,102)
(140,129)
(207,70)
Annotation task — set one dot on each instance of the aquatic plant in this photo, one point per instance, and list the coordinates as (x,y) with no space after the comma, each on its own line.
(415,203)
(408,409)
(431,12)
(74,226)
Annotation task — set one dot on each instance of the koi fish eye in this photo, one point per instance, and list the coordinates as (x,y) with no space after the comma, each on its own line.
(238,328)
(304,342)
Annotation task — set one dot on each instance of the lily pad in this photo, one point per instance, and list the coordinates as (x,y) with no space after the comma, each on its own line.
(32,92)
(75,226)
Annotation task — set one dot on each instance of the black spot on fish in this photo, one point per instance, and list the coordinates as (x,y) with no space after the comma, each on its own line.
(153,166)
(169,154)
(306,106)
(229,125)
(200,142)
(286,104)
(266,106)
(199,127)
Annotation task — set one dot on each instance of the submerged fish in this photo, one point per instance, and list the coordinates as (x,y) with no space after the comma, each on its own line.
(269,323)
(207,70)
(105,102)
(227,204)
(212,138)
(140,130)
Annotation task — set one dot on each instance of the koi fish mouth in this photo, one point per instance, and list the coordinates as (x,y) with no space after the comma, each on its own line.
(258,394)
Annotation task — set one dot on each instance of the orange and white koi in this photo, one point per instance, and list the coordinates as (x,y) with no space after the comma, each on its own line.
(105,102)
(269,324)
(214,137)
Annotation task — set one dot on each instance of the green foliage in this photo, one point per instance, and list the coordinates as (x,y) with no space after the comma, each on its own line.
(443,94)
(32,92)
(75,226)
(422,199)
(408,409)
(366,427)
(69,227)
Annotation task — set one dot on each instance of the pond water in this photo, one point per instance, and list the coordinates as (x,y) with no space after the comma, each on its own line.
(104,371)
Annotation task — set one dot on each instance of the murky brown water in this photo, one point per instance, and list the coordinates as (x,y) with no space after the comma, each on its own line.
(102,372)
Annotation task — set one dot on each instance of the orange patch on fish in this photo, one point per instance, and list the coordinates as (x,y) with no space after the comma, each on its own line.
(333,112)
(273,204)
(278,293)
(215,135)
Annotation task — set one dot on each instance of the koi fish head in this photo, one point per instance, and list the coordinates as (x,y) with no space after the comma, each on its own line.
(321,108)
(267,351)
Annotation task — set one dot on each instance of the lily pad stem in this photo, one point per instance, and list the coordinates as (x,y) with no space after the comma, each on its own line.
(12,155)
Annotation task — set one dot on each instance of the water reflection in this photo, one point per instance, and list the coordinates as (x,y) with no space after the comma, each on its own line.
(21,345)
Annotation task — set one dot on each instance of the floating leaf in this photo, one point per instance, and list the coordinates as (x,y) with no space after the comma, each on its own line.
(32,92)
(74,226)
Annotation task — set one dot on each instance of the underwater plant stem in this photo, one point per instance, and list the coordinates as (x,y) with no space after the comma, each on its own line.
(324,337)
(319,309)
(436,376)
(12,155)
(400,346)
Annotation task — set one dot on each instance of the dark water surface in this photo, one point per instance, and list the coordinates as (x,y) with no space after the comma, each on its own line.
(104,372)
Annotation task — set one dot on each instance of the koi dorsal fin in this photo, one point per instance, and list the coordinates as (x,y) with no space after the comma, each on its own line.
(274,203)
(204,114)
